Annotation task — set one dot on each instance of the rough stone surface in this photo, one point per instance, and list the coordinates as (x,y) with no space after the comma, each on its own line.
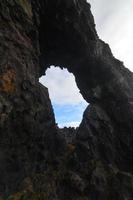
(36,160)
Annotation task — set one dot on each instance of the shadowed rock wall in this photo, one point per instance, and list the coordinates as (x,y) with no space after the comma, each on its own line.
(35,160)
(68,38)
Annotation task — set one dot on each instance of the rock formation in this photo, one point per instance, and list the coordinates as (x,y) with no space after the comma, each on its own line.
(35,160)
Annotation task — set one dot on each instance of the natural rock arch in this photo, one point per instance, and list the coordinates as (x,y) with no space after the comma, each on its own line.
(68,38)
(73,43)
(62,33)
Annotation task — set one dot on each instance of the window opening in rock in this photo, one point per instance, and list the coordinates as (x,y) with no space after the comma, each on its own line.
(68,103)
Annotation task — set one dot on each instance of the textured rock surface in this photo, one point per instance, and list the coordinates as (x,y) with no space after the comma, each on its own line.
(35,160)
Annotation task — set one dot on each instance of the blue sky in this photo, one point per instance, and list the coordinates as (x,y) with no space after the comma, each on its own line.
(69,115)
(67,101)
(114,24)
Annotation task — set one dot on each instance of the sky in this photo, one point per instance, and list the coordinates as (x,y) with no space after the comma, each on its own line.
(66,99)
(114,24)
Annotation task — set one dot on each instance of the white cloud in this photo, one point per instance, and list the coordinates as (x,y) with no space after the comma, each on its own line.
(62,86)
(114,21)
(70,124)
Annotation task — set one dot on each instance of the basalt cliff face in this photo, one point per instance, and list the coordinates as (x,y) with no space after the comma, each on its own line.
(37,161)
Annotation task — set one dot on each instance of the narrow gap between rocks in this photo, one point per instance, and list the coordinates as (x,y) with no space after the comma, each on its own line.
(68,103)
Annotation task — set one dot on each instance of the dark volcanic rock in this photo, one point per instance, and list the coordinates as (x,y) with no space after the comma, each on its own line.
(69,134)
(36,162)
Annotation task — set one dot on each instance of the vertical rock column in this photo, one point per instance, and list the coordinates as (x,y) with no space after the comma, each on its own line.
(27,125)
